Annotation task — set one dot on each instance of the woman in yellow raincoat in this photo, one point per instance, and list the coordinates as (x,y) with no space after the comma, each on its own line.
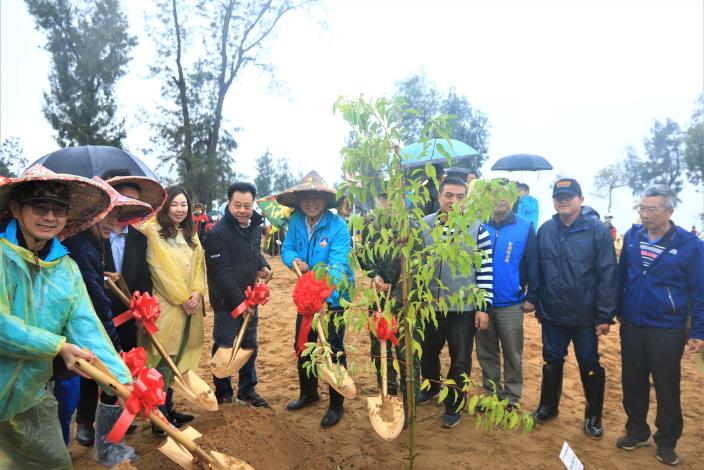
(177,266)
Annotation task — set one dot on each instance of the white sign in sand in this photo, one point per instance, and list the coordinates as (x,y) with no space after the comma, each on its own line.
(569,458)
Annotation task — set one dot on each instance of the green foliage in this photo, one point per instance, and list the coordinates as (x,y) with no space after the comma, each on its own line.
(694,145)
(264,181)
(89,47)
(283,178)
(425,102)
(664,162)
(12,161)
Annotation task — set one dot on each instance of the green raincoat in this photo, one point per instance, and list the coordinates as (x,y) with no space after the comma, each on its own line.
(41,307)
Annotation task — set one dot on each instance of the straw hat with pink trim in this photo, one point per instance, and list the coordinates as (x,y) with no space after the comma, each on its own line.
(150,191)
(88,201)
(130,210)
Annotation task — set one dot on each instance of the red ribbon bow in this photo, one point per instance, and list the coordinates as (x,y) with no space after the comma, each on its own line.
(382,329)
(309,294)
(257,296)
(147,394)
(144,309)
(135,359)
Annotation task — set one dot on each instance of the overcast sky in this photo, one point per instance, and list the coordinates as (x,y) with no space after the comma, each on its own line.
(574,81)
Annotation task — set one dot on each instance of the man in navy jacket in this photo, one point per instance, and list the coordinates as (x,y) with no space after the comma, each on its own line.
(661,281)
(577,300)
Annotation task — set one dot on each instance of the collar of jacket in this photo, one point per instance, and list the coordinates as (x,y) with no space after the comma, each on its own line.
(255,220)
(579,223)
(509,220)
(56,251)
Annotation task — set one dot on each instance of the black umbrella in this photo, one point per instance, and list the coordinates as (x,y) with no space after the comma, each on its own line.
(521,162)
(96,160)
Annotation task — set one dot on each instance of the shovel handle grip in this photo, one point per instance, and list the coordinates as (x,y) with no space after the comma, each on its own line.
(155,417)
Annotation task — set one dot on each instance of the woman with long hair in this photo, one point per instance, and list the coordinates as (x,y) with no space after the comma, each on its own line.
(177,266)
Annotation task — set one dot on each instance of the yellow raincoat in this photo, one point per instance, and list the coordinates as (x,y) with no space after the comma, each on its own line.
(41,307)
(177,270)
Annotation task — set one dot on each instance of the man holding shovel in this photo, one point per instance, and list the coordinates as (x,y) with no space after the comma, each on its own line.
(318,238)
(44,310)
(234,260)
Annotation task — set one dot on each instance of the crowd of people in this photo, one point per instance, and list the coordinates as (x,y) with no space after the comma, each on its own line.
(63,237)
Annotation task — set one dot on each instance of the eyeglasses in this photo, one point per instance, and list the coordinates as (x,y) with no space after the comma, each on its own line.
(647,209)
(41,209)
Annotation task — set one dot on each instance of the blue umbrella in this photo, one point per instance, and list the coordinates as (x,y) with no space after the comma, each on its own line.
(521,162)
(418,154)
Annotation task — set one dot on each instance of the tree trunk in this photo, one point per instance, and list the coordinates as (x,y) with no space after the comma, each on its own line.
(187,152)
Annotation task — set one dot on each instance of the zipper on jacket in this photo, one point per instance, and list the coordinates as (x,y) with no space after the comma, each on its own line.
(672,302)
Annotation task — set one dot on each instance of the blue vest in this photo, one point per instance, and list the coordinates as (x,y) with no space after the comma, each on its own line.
(508,245)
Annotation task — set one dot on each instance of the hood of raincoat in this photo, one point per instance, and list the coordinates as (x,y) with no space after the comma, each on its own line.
(43,304)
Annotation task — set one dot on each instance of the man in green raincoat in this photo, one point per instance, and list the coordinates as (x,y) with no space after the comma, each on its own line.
(44,310)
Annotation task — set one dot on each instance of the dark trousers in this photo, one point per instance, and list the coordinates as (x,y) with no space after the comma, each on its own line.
(224,333)
(656,351)
(557,338)
(85,414)
(458,330)
(67,392)
(335,336)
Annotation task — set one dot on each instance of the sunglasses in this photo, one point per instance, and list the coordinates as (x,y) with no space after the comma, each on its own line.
(41,209)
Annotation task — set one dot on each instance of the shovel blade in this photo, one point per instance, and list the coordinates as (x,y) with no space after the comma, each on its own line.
(220,366)
(230,463)
(196,391)
(177,452)
(339,379)
(386,416)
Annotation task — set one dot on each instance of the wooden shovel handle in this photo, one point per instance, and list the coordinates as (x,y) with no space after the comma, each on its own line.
(240,337)
(296,268)
(116,290)
(155,416)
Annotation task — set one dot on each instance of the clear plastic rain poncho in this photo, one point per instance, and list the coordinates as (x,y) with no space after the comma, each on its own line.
(41,307)
(177,270)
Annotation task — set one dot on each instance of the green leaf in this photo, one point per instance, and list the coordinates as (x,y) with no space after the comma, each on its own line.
(443,394)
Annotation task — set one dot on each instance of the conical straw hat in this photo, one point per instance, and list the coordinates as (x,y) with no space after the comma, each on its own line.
(312,182)
(88,200)
(150,191)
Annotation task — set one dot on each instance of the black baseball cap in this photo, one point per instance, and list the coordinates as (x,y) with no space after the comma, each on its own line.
(567,187)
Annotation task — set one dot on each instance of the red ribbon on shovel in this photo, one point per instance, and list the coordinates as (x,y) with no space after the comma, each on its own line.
(309,294)
(135,360)
(144,309)
(257,296)
(382,329)
(147,394)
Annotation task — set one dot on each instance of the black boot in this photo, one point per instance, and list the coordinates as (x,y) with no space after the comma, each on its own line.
(309,391)
(550,392)
(593,384)
(335,411)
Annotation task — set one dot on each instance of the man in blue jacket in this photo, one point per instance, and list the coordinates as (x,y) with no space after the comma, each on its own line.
(316,237)
(576,300)
(516,280)
(661,279)
(527,205)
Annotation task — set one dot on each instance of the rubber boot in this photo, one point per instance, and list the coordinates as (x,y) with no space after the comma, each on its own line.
(594,385)
(309,391)
(104,452)
(335,411)
(550,392)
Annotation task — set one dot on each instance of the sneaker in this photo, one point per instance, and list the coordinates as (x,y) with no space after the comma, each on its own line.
(667,455)
(252,399)
(630,443)
(450,420)
(425,396)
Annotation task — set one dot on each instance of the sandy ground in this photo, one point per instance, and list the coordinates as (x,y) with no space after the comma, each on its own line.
(278,439)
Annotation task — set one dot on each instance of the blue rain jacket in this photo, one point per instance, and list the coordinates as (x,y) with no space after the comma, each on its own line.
(330,246)
(43,304)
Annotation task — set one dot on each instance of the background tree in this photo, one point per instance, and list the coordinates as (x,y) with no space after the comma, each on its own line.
(89,48)
(264,181)
(284,178)
(203,47)
(664,150)
(470,125)
(694,149)
(12,161)
(609,178)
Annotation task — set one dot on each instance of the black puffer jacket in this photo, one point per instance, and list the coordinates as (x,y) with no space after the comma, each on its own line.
(233,256)
(578,272)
